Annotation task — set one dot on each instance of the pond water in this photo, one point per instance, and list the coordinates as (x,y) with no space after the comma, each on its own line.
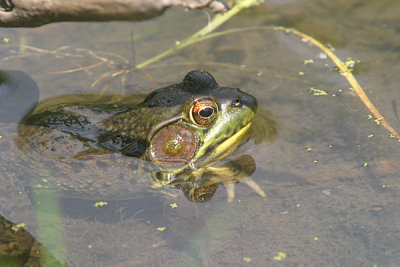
(331,175)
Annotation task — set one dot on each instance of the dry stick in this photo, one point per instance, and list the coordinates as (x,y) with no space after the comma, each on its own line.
(350,78)
(79,69)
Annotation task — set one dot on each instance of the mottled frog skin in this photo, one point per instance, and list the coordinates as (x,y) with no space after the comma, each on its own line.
(97,150)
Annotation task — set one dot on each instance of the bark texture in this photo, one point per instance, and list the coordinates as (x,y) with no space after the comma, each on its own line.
(33,13)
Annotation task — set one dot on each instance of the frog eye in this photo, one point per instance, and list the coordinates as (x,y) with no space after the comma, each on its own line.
(204,112)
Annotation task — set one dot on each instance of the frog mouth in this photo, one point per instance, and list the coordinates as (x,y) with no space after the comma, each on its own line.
(229,145)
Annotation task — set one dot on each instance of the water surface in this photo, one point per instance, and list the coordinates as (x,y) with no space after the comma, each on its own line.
(331,175)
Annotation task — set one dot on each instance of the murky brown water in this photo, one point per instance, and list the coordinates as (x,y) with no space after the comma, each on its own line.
(323,207)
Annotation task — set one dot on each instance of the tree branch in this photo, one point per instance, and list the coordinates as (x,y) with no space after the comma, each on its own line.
(33,13)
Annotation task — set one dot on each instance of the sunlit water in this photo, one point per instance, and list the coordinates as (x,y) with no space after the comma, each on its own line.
(331,176)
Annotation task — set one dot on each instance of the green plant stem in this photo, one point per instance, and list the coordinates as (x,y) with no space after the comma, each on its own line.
(217,21)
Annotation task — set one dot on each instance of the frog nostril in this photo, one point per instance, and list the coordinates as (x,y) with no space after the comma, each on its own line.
(237,102)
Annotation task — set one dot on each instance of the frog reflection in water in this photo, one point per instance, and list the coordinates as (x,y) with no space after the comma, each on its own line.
(177,134)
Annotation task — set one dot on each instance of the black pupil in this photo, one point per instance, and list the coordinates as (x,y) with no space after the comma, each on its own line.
(206,112)
(237,102)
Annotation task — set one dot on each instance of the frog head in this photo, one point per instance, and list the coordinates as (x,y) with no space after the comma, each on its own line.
(206,122)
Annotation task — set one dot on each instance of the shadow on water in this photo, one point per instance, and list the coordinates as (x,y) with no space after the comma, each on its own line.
(330,177)
(19,95)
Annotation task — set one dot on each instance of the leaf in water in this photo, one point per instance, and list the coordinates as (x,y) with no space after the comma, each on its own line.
(247,259)
(16,227)
(317,92)
(100,204)
(281,256)
(173,205)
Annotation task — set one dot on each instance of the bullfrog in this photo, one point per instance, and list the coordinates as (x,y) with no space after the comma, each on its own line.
(104,149)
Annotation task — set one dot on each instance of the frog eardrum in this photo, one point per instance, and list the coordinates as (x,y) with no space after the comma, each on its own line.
(173,146)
